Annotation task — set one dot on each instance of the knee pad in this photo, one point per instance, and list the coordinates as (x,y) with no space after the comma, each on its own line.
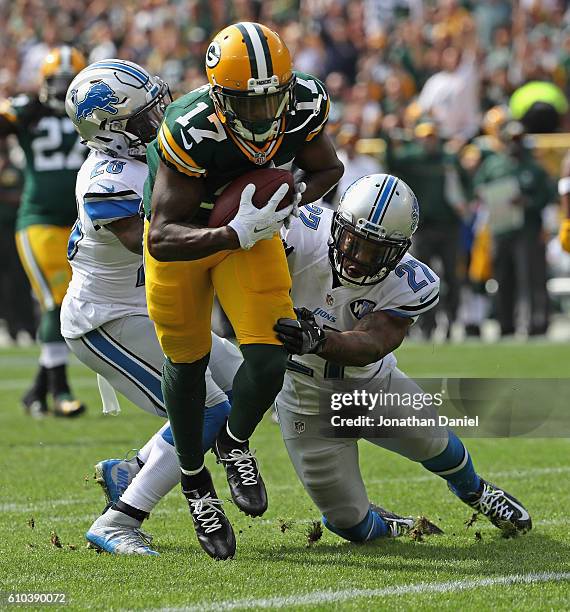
(325,485)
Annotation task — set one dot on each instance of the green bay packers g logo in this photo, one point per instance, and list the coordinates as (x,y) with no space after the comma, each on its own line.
(213,55)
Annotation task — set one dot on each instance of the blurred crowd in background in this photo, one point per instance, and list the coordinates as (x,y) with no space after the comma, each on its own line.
(442,93)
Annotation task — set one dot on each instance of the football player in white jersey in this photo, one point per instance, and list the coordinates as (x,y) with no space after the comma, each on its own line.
(357,291)
(360,291)
(116,107)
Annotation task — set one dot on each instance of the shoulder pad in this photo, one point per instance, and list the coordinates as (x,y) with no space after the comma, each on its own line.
(416,288)
(188,133)
(107,200)
(312,103)
(20,101)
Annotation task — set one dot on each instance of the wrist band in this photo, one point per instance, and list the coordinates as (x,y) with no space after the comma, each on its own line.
(564,186)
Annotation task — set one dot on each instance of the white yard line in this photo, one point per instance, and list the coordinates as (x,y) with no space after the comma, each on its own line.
(29,506)
(45,504)
(19,384)
(429,477)
(333,597)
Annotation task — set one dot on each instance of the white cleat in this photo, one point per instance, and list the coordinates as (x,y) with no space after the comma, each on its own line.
(115,475)
(118,539)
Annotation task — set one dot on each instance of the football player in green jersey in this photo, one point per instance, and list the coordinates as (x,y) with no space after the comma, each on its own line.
(53,154)
(255,112)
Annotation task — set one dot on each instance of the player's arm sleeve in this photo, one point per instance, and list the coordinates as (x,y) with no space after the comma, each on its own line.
(416,294)
(321,110)
(107,201)
(172,151)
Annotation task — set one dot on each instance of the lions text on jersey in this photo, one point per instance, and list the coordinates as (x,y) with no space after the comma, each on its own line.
(410,290)
(108,280)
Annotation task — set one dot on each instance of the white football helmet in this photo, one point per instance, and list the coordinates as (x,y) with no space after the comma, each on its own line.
(372,228)
(117,107)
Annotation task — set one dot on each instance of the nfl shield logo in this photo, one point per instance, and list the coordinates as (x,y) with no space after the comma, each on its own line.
(259,158)
(299,426)
(330,299)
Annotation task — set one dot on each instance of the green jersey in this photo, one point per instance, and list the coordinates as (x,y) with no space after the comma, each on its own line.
(427,173)
(534,183)
(53,153)
(192,140)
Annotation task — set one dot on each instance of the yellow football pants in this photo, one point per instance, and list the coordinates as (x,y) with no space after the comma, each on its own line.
(252,287)
(43,253)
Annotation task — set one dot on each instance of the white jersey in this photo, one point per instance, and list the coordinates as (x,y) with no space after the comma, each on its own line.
(410,290)
(108,279)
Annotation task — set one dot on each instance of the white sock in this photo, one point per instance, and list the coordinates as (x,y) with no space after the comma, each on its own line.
(158,476)
(144,452)
(53,354)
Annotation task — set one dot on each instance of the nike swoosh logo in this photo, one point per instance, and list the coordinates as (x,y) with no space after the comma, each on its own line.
(524,514)
(423,299)
(107,189)
(260,229)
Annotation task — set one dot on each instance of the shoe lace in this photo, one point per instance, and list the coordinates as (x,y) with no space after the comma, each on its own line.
(131,454)
(206,511)
(246,465)
(145,537)
(397,527)
(493,502)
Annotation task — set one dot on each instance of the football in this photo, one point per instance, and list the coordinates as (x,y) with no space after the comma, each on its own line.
(266,181)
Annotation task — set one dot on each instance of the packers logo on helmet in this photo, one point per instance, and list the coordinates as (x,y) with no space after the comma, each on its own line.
(251,78)
(58,69)
(213,54)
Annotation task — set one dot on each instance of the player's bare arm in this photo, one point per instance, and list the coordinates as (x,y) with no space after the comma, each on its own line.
(322,167)
(130,232)
(372,338)
(172,237)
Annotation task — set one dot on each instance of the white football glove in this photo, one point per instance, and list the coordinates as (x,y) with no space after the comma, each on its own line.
(252,224)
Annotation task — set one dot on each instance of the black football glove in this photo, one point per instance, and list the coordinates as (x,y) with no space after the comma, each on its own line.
(300,336)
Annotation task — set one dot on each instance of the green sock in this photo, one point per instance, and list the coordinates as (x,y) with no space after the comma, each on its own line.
(184,391)
(50,326)
(256,384)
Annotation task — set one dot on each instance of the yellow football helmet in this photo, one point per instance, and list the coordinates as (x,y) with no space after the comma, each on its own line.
(251,80)
(58,69)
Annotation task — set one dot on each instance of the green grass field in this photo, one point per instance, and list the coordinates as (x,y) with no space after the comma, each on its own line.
(45,475)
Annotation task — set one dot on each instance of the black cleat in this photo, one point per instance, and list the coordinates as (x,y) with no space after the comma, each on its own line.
(213,529)
(502,509)
(246,485)
(402,525)
(34,405)
(66,406)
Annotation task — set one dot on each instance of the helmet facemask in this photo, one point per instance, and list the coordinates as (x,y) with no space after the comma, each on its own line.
(140,128)
(361,256)
(54,89)
(256,116)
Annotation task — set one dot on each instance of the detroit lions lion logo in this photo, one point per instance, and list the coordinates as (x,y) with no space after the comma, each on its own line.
(415,215)
(99,96)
